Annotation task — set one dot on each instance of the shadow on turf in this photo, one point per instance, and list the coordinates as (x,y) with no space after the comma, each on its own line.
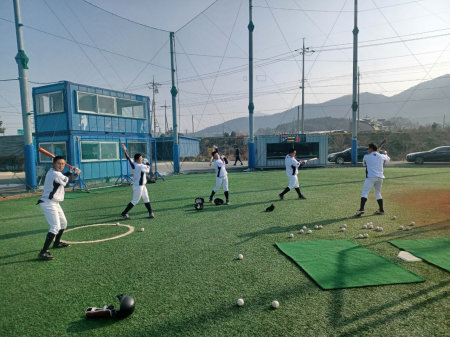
(20,234)
(284,229)
(85,324)
(338,321)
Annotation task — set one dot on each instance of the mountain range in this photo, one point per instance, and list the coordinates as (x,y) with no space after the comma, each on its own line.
(425,103)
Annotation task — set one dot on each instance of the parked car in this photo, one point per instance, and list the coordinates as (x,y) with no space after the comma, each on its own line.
(439,154)
(346,155)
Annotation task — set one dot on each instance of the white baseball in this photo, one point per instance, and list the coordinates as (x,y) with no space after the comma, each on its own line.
(381,229)
(275,304)
(400,228)
(316,227)
(305,228)
(360,236)
(240,257)
(240,302)
(343,229)
(142,229)
(344,225)
(117,224)
(320,226)
(364,226)
(291,235)
(366,235)
(408,228)
(309,231)
(412,223)
(301,230)
(394,217)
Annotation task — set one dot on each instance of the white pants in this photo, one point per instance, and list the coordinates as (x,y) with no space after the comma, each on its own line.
(54,216)
(293,182)
(140,191)
(221,181)
(376,184)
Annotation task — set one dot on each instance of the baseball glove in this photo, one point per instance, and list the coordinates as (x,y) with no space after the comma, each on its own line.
(218,201)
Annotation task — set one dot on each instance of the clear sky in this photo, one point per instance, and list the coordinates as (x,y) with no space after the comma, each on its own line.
(122,45)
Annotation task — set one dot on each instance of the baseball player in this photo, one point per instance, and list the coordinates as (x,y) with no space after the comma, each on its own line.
(140,170)
(374,162)
(292,166)
(221,176)
(54,184)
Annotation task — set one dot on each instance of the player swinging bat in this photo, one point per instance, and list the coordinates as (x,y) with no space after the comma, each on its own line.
(292,166)
(53,194)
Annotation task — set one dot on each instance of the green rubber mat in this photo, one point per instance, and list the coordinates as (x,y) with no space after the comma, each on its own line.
(335,264)
(435,251)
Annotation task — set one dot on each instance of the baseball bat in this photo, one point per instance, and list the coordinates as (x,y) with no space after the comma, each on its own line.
(382,143)
(51,155)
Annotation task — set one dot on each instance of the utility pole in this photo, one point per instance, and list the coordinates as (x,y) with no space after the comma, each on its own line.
(166,125)
(154,87)
(355,75)
(193,126)
(22,64)
(303,52)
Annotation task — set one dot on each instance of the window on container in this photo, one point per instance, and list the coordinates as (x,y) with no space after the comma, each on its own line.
(50,102)
(87,102)
(58,149)
(138,147)
(90,151)
(109,151)
(130,108)
(106,105)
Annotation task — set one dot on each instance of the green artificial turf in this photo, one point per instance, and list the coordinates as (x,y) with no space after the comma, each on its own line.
(183,269)
(435,251)
(335,264)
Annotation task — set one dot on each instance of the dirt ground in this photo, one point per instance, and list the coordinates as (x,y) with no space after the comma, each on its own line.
(429,206)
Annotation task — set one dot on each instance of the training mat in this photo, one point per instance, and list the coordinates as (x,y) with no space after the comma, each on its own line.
(435,251)
(335,264)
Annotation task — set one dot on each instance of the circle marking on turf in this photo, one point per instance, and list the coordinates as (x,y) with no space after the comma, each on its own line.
(130,230)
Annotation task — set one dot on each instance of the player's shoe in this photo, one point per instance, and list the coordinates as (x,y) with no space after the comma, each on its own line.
(281,196)
(210,200)
(125,216)
(151,215)
(359,213)
(61,245)
(227,202)
(46,256)
(378,212)
(302,197)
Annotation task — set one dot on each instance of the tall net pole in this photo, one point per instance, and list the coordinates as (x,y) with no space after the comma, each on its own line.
(22,64)
(355,81)
(251,106)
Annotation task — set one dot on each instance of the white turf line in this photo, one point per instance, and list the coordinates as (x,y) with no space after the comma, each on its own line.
(130,230)
(408,257)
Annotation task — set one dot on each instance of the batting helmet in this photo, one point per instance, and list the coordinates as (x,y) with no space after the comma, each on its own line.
(127,304)
(199,200)
(218,201)
(199,203)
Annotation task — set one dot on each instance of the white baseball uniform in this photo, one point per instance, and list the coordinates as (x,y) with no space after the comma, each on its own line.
(292,166)
(139,181)
(221,175)
(53,194)
(374,163)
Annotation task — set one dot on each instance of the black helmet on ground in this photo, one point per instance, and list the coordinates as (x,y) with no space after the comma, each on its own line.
(127,304)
